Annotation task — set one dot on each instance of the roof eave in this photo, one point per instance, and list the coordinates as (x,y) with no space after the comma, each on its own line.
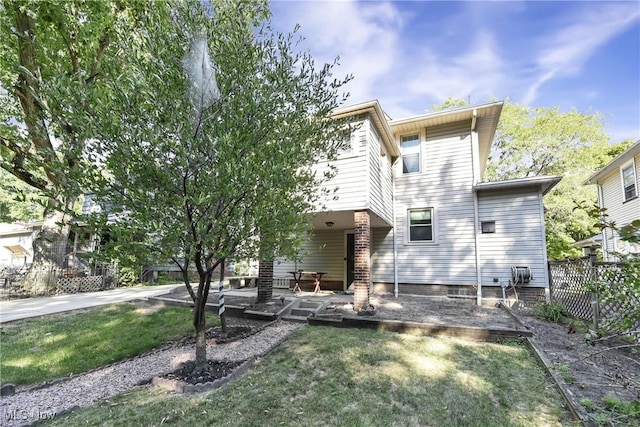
(546,184)
(380,118)
(623,157)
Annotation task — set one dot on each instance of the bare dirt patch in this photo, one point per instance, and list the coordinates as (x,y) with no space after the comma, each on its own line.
(590,371)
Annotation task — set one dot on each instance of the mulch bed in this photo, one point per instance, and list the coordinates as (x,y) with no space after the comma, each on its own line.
(191,373)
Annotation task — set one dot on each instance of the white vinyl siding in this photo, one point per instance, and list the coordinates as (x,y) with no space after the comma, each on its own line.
(445,184)
(382,255)
(324,251)
(380,184)
(619,210)
(518,238)
(362,179)
(348,188)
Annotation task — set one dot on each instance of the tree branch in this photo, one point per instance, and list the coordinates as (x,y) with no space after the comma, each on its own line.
(16,166)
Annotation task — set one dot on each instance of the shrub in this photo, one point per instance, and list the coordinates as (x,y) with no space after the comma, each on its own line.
(128,276)
(551,312)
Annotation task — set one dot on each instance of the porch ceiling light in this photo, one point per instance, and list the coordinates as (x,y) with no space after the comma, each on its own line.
(329,224)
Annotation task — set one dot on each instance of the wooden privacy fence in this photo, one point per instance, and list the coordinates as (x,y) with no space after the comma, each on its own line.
(576,285)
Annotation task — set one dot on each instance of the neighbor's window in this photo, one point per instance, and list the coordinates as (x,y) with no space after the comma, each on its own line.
(629,181)
(421,225)
(410,153)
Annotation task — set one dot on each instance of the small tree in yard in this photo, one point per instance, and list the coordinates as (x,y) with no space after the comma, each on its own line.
(217,124)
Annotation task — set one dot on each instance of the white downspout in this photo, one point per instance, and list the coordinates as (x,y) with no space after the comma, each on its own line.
(395,244)
(476,216)
(545,260)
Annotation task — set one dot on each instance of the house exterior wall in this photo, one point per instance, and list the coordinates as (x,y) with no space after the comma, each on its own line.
(444,184)
(518,239)
(7,258)
(363,176)
(618,210)
(323,251)
(458,256)
(347,188)
(379,176)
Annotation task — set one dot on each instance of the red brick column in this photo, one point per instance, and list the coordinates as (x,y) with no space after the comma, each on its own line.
(265,281)
(362,273)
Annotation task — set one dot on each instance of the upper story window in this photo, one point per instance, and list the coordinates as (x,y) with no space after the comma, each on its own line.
(347,146)
(421,225)
(410,153)
(629,187)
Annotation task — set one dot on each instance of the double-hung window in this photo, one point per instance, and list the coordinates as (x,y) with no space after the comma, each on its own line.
(410,153)
(629,186)
(421,225)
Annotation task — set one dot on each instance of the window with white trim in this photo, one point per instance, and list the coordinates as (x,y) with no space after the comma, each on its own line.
(421,225)
(348,145)
(410,153)
(629,182)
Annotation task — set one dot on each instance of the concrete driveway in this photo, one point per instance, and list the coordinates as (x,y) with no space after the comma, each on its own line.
(33,307)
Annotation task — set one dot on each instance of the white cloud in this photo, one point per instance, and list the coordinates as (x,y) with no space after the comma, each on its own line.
(477,72)
(570,47)
(411,55)
(364,35)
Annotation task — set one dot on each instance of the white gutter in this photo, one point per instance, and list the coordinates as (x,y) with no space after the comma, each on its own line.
(476,215)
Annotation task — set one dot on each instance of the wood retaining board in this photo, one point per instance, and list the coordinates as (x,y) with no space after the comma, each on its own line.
(422,329)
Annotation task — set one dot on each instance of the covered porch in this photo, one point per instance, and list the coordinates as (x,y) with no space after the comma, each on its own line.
(340,248)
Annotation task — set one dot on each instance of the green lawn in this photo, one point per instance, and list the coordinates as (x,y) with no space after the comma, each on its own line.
(347,377)
(43,349)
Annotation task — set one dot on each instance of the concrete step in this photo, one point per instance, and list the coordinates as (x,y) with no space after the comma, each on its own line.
(306,312)
(302,319)
(310,304)
(301,310)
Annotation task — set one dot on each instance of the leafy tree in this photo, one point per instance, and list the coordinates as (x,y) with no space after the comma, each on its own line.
(215,125)
(18,201)
(52,61)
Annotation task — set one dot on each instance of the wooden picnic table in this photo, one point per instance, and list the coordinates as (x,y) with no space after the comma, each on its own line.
(297,276)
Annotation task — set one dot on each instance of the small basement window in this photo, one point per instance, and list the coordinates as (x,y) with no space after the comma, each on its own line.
(488,227)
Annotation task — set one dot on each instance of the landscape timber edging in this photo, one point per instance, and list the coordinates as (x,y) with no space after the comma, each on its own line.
(178,386)
(574,407)
(421,329)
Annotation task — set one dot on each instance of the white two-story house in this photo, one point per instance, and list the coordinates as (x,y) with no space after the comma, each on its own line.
(618,190)
(412,215)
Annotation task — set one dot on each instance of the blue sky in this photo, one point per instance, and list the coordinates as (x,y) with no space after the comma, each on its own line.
(411,55)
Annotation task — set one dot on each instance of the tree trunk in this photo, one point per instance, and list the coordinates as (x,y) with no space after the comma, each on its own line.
(200,323)
(50,248)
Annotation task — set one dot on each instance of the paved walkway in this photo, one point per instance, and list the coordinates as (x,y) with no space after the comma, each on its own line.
(17,309)
(11,310)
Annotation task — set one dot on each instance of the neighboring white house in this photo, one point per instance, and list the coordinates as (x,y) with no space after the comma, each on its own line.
(412,214)
(618,191)
(16,243)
